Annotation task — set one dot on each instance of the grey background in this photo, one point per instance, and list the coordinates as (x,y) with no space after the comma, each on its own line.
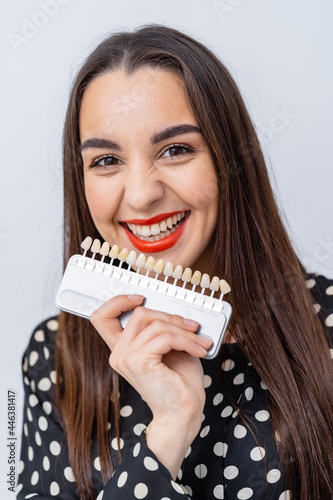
(280,54)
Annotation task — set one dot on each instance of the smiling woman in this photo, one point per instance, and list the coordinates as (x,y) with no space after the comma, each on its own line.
(155,173)
(160,156)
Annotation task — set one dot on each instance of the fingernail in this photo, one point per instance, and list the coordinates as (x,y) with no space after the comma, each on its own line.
(204,341)
(135,297)
(190,322)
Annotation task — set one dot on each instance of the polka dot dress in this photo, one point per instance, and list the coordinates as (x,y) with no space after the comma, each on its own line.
(227,460)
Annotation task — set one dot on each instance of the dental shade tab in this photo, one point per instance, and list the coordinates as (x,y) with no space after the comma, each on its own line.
(88,282)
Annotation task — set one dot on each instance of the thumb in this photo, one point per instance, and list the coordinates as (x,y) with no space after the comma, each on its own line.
(105,318)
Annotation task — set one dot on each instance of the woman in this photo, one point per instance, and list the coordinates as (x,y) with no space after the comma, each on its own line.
(156,126)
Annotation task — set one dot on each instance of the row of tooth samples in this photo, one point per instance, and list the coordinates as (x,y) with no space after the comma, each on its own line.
(140,261)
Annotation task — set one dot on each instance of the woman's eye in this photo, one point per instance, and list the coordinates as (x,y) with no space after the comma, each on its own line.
(176,150)
(105,161)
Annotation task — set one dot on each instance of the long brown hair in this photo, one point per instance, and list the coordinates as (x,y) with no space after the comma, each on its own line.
(273,319)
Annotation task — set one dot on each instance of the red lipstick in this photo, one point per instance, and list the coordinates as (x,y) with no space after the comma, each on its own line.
(153,220)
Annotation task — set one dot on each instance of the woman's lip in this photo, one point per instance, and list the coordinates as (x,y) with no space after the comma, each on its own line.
(156,246)
(153,220)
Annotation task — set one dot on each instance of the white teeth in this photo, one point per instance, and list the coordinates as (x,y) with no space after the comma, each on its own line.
(157,231)
(146,231)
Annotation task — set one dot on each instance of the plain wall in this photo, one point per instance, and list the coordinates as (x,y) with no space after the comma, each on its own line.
(280,54)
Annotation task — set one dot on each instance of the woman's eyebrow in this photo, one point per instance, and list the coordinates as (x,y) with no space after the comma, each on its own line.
(172,131)
(99,143)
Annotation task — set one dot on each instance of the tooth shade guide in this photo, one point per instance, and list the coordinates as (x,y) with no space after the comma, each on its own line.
(86,244)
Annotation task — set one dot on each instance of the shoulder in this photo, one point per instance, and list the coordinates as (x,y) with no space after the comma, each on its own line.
(322,291)
(38,361)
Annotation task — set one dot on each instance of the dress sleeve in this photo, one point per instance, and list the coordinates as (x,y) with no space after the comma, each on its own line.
(141,475)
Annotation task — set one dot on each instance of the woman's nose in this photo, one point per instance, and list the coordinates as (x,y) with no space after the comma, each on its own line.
(142,189)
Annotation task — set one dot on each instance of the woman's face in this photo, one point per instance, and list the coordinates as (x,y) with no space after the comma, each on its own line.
(150,181)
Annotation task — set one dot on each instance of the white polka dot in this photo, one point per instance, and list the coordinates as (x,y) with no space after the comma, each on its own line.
(249,393)
(239,379)
(25,429)
(177,487)
(55,448)
(34,478)
(207,381)
(273,475)
(97,463)
(44,384)
(126,411)
(33,400)
(218,399)
(122,479)
(114,444)
(180,474)
(230,472)
(46,463)
(205,431)
(329,320)
(53,376)
(245,493)
(25,365)
(165,498)
(29,415)
(286,495)
(46,352)
(218,492)
(30,453)
(39,336)
(33,386)
(38,439)
(42,423)
(140,491)
(138,428)
(200,471)
(310,283)
(220,449)
(228,365)
(21,467)
(18,488)
(100,496)
(263,385)
(26,381)
(235,413)
(31,495)
(47,407)
(316,308)
(54,488)
(188,490)
(68,473)
(257,453)
(136,449)
(240,431)
(52,325)
(262,415)
(329,290)
(150,463)
(227,411)
(33,358)
(188,452)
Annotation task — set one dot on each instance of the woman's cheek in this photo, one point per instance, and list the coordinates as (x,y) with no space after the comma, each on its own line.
(101,200)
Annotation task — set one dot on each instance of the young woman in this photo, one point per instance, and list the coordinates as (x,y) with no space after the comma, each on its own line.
(156,128)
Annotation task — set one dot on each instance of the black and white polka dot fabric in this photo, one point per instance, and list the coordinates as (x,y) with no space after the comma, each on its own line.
(227,460)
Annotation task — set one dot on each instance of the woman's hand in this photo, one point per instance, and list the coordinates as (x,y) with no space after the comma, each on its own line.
(157,353)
